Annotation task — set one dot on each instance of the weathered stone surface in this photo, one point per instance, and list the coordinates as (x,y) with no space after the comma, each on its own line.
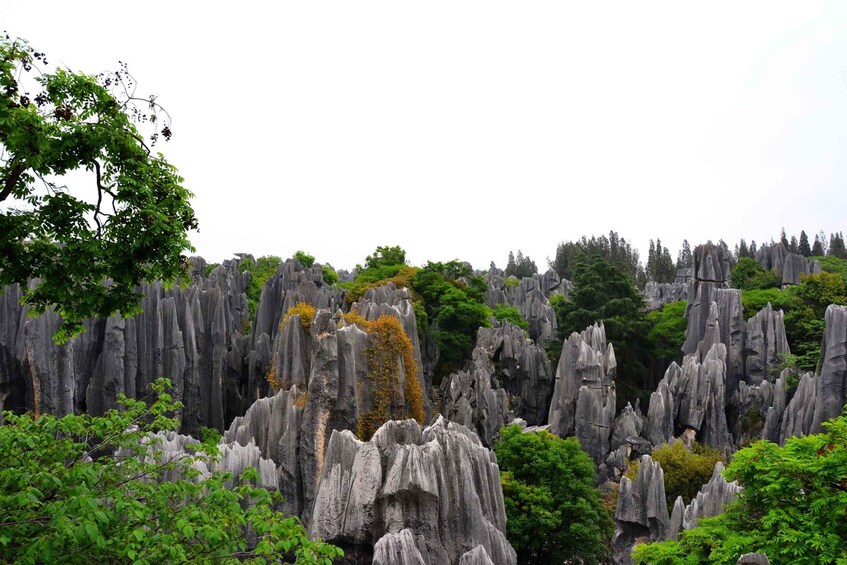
(508,375)
(438,482)
(476,556)
(753,559)
(642,511)
(712,498)
(832,383)
(657,295)
(398,549)
(584,399)
(530,298)
(765,345)
(660,414)
(788,266)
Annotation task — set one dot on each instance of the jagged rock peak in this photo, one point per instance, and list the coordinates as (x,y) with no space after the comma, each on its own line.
(711,263)
(642,511)
(832,382)
(439,483)
(584,398)
(657,295)
(765,345)
(710,500)
(530,297)
(788,266)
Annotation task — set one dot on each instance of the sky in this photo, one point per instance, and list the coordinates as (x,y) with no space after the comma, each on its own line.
(463,130)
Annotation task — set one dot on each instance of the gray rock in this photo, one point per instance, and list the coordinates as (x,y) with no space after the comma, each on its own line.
(530,298)
(788,266)
(712,498)
(584,395)
(642,511)
(832,383)
(438,482)
(657,295)
(799,417)
(765,346)
(753,559)
(398,549)
(476,556)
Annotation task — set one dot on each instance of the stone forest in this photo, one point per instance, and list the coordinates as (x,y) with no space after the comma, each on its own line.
(158,408)
(375,402)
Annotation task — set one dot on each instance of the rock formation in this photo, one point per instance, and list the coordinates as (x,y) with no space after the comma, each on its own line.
(412,495)
(657,295)
(788,266)
(508,376)
(710,501)
(832,382)
(584,398)
(765,345)
(529,296)
(642,512)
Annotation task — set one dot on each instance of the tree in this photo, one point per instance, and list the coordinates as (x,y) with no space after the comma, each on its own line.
(520,266)
(660,266)
(836,246)
(554,513)
(84,489)
(803,247)
(791,507)
(304,258)
(747,274)
(817,248)
(684,260)
(384,256)
(89,253)
(603,292)
(612,248)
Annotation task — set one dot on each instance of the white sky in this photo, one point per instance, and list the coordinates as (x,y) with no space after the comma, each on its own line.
(468,129)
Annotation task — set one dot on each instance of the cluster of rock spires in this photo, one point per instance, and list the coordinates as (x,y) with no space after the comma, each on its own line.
(416,494)
(788,266)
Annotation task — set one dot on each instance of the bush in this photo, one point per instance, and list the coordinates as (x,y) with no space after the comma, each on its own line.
(264,269)
(304,258)
(554,513)
(504,312)
(330,277)
(792,506)
(686,471)
(747,274)
(667,333)
(66,498)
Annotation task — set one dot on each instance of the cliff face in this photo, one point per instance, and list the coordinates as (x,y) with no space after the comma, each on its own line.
(788,266)
(530,297)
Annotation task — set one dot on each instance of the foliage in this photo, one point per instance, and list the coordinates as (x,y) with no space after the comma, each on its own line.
(686,471)
(613,248)
(207,270)
(304,258)
(667,332)
(554,513)
(136,231)
(660,266)
(792,507)
(510,314)
(835,265)
(400,274)
(754,300)
(305,311)
(603,292)
(384,256)
(512,282)
(520,267)
(747,274)
(64,496)
(329,275)
(264,268)
(389,352)
(454,300)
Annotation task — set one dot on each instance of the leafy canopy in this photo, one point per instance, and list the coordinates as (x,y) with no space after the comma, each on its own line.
(84,489)
(792,507)
(554,513)
(89,252)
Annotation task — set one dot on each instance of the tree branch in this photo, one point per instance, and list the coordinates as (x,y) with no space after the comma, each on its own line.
(12,180)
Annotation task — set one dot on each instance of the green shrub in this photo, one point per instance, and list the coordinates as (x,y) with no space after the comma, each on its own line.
(510,314)
(685,470)
(667,332)
(747,274)
(329,275)
(305,259)
(64,498)
(265,267)
(554,513)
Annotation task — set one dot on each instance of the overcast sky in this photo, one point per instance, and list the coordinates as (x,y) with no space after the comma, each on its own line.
(468,129)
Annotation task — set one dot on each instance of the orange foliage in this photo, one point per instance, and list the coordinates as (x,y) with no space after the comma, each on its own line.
(306,313)
(389,347)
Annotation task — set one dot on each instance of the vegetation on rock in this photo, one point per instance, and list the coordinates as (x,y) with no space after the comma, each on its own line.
(792,507)
(84,489)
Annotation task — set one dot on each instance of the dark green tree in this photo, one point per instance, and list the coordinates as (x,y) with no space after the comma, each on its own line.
(792,507)
(793,246)
(783,239)
(603,292)
(817,248)
(612,248)
(836,246)
(304,258)
(384,256)
(741,250)
(660,266)
(803,247)
(130,227)
(747,274)
(554,513)
(683,260)
(520,266)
